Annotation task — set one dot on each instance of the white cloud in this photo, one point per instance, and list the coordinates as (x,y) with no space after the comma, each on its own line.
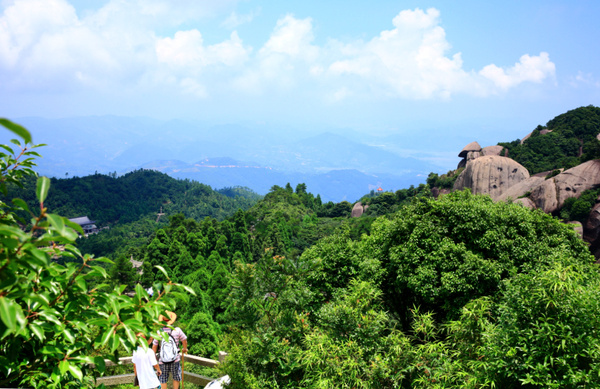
(23,23)
(186,50)
(45,45)
(284,61)
(412,61)
(292,37)
(528,69)
(585,79)
(235,20)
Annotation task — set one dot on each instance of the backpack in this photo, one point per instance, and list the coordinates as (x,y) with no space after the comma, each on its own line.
(168,349)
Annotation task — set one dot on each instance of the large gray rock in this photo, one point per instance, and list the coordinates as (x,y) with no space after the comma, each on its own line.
(592,225)
(491,175)
(592,230)
(521,189)
(526,202)
(357,210)
(492,150)
(552,193)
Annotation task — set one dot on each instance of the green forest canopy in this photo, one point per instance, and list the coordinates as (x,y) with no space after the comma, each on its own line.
(566,141)
(417,293)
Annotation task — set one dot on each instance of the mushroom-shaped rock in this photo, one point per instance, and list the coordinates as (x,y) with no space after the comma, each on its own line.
(357,210)
(492,150)
(552,193)
(491,175)
(473,146)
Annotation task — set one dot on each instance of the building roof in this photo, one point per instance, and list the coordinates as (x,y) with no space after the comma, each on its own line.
(83,220)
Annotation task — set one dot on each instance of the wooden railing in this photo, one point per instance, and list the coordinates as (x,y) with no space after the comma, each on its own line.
(196,379)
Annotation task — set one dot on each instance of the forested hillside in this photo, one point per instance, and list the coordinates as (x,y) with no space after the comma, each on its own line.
(420,291)
(112,199)
(129,205)
(565,141)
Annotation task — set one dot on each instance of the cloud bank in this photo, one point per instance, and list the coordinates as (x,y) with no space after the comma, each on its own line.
(45,45)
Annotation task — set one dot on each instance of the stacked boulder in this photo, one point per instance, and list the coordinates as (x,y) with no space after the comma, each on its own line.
(486,171)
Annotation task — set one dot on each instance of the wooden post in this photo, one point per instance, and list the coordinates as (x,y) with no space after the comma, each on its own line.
(182,366)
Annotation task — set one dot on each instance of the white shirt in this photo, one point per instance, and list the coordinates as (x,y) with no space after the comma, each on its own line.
(144,360)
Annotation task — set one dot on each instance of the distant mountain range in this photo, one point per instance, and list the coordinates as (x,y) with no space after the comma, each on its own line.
(332,165)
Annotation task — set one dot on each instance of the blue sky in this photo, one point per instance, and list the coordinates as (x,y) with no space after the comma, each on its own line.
(455,70)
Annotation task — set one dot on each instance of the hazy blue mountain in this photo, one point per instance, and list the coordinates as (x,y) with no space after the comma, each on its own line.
(332,164)
(334,185)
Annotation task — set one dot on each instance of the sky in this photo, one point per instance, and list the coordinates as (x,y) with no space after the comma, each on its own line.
(467,70)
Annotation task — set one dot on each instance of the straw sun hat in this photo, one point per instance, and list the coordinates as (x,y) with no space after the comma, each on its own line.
(170,320)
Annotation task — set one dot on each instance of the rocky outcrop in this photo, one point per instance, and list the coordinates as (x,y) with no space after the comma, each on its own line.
(542,132)
(491,175)
(593,222)
(492,150)
(526,202)
(473,146)
(521,189)
(552,193)
(469,153)
(592,230)
(358,209)
(490,171)
(577,227)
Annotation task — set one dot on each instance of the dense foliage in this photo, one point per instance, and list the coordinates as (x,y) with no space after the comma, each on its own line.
(458,291)
(418,292)
(128,205)
(56,329)
(570,141)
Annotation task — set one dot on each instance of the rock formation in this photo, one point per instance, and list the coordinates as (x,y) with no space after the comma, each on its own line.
(468,153)
(487,171)
(491,175)
(592,229)
(492,150)
(358,209)
(550,195)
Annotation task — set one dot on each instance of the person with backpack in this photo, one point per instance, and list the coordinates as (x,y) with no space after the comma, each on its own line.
(169,358)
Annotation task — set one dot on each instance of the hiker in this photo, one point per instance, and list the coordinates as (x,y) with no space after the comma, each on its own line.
(143,362)
(169,359)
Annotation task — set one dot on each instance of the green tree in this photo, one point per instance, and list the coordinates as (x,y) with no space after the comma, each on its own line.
(547,332)
(439,254)
(123,273)
(53,324)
